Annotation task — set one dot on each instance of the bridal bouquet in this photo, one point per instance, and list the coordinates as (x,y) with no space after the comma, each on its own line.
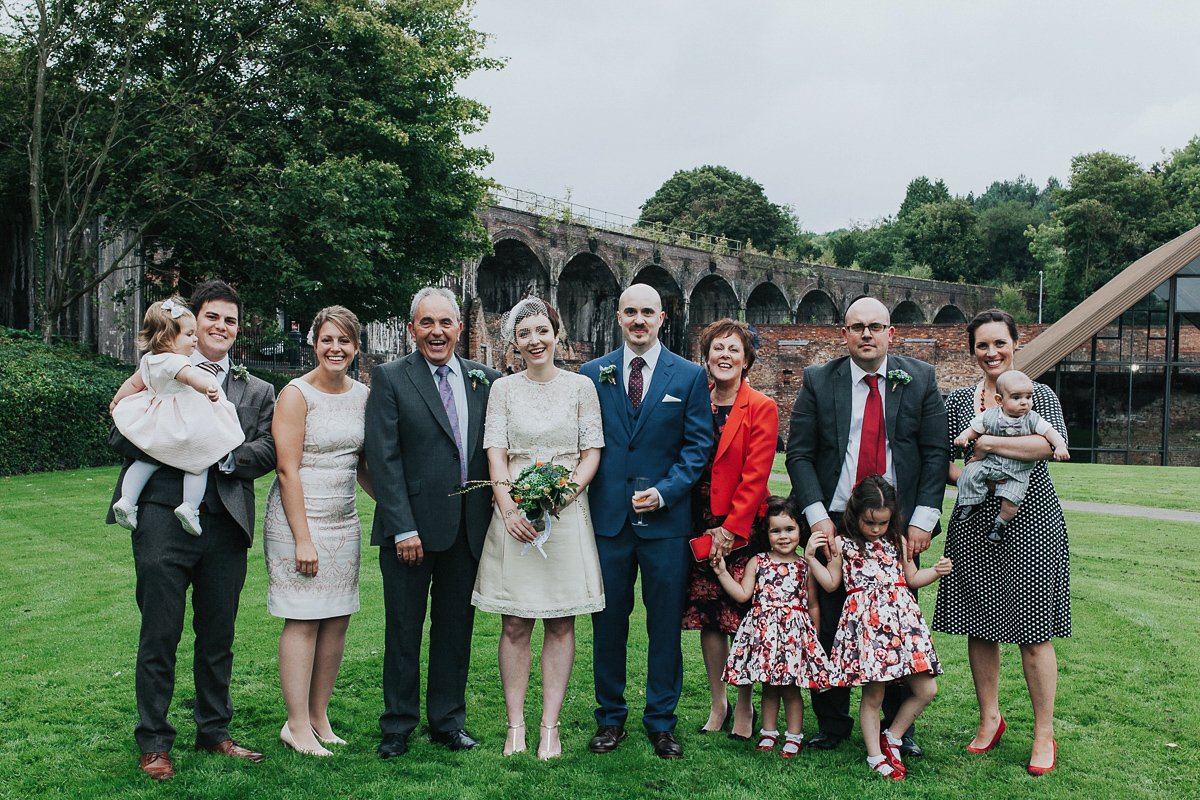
(538,490)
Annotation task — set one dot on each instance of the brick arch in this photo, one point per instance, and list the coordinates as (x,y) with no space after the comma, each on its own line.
(768,305)
(587,303)
(598,254)
(712,298)
(816,306)
(908,313)
(950,315)
(513,271)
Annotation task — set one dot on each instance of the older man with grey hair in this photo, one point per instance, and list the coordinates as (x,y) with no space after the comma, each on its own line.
(424,434)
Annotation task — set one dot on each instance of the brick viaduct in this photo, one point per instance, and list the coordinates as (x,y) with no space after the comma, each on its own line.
(582,270)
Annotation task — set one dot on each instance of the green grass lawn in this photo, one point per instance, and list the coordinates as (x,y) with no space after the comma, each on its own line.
(1126,718)
(1159,487)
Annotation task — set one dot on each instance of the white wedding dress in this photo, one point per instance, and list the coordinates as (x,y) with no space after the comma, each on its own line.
(551,421)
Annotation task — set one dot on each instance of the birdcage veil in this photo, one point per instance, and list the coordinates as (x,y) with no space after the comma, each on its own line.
(528,307)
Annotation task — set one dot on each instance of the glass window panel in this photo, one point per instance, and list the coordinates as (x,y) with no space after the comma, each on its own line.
(1187,295)
(1187,337)
(1149,390)
(1192,268)
(1075,396)
(1185,410)
(1112,409)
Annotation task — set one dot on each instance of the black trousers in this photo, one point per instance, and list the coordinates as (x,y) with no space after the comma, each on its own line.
(832,707)
(443,582)
(167,561)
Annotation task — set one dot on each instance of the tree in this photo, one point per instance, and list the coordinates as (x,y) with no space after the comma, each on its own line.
(307,150)
(1005,249)
(921,191)
(719,202)
(943,235)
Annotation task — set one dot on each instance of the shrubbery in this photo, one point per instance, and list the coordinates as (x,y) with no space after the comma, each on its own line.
(54,405)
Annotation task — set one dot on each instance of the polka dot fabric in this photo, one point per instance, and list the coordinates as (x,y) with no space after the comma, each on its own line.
(1018,591)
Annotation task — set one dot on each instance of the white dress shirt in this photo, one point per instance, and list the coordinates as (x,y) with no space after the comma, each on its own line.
(458,385)
(923,517)
(651,359)
(226,464)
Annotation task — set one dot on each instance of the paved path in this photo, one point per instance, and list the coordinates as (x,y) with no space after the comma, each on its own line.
(1098,508)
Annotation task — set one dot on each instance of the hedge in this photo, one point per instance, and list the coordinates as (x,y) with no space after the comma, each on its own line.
(54,405)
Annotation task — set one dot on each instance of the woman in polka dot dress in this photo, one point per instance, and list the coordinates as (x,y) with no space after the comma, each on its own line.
(1018,591)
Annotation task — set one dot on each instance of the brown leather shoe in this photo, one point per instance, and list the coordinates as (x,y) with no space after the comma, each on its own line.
(607,738)
(232,749)
(665,744)
(157,766)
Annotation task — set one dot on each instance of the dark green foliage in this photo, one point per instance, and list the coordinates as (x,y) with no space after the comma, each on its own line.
(54,405)
(943,235)
(276,379)
(921,191)
(719,202)
(1001,229)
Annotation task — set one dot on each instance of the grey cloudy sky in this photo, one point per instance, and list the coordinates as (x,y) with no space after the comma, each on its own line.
(832,106)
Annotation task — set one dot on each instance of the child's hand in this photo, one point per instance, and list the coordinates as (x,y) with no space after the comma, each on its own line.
(1062,454)
(962,440)
(943,566)
(718,565)
(213,393)
(815,542)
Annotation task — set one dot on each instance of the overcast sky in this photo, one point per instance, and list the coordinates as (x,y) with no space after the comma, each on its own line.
(832,106)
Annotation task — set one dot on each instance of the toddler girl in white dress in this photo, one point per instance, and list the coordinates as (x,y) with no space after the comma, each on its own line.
(174,412)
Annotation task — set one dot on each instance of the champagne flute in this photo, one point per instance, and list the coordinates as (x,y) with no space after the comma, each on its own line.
(640,485)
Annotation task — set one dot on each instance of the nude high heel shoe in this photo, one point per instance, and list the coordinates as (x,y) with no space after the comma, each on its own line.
(286,737)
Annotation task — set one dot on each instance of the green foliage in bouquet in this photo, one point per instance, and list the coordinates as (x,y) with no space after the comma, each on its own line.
(542,487)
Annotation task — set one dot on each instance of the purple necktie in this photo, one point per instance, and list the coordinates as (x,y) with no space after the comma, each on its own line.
(452,412)
(635,381)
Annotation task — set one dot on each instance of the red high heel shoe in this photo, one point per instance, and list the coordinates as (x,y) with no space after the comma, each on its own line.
(1036,771)
(995,740)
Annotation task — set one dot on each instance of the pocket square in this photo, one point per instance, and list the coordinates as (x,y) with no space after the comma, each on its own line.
(669,399)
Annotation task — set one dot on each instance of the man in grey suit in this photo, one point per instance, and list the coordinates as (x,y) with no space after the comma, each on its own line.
(834,427)
(167,559)
(424,435)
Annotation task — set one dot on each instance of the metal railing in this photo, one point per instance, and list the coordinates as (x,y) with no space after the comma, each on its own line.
(572,213)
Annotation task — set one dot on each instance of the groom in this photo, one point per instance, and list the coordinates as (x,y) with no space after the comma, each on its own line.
(657,426)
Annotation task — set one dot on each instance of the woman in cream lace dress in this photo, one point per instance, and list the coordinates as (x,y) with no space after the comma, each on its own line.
(541,414)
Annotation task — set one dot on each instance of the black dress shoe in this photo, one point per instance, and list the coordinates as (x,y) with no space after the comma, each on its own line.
(607,738)
(455,740)
(824,741)
(393,744)
(665,744)
(910,748)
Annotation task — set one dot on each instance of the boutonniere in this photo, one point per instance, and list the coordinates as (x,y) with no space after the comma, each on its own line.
(476,375)
(899,377)
(609,374)
(239,372)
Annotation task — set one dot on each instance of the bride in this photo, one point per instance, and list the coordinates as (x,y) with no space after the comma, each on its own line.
(541,414)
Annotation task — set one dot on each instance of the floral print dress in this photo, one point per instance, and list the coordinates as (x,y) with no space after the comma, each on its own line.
(882,635)
(776,643)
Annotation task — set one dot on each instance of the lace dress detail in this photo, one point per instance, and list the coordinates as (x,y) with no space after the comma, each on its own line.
(551,421)
(333,438)
(882,635)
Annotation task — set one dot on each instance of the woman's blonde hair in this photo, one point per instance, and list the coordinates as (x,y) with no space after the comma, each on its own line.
(160,326)
(340,316)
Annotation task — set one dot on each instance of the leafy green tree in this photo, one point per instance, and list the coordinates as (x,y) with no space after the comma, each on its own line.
(1005,248)
(920,192)
(719,202)
(1181,183)
(944,236)
(307,150)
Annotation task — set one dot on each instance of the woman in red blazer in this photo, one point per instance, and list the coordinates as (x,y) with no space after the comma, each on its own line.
(725,503)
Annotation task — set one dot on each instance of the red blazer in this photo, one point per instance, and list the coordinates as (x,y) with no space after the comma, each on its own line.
(744,459)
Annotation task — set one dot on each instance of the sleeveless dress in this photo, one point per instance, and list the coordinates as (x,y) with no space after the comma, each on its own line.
(172,422)
(881,636)
(551,421)
(776,643)
(333,438)
(1019,590)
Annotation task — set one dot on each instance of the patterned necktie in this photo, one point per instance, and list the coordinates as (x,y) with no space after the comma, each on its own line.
(209,366)
(635,381)
(452,412)
(872,446)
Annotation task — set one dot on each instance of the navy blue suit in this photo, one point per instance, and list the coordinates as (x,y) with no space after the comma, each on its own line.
(667,440)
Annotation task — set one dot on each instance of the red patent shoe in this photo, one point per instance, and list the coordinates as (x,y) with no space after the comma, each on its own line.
(1036,771)
(995,740)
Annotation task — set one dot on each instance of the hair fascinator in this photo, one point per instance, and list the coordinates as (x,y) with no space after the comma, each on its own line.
(528,307)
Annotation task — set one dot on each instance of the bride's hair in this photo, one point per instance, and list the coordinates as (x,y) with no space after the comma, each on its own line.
(525,308)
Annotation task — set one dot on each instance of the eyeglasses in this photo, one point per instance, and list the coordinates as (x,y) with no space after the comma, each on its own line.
(858,328)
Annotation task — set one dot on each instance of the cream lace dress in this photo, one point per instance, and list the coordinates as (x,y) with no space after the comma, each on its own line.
(547,421)
(333,438)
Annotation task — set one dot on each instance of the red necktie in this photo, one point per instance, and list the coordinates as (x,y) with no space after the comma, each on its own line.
(635,381)
(872,446)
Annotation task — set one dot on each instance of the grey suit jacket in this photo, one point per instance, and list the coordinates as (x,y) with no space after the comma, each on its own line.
(414,459)
(254,400)
(914,415)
